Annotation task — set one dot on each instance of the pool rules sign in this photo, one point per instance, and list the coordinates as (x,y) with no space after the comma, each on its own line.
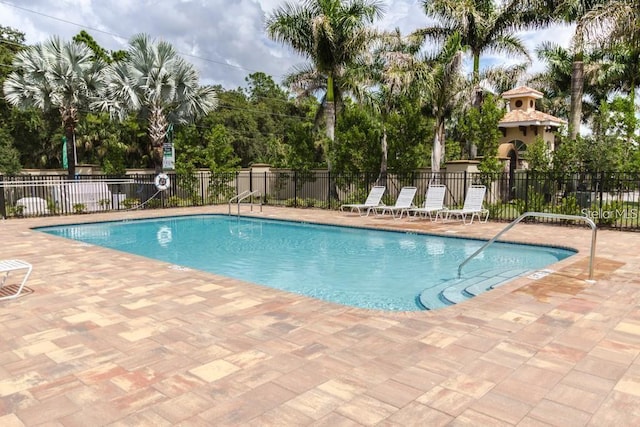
(168,156)
(168,150)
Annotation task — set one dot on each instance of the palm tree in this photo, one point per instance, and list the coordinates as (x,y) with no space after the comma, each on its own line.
(618,23)
(444,90)
(621,68)
(574,12)
(330,34)
(482,25)
(388,74)
(555,81)
(56,75)
(156,82)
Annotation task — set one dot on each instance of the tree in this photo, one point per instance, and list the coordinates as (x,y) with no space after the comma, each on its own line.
(481,129)
(98,51)
(574,12)
(389,73)
(101,141)
(538,156)
(555,81)
(618,24)
(156,82)
(11,42)
(56,75)
(9,156)
(620,69)
(614,136)
(483,26)
(360,130)
(272,112)
(240,119)
(443,91)
(261,87)
(331,34)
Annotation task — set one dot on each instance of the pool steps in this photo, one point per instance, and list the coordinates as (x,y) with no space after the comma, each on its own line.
(457,290)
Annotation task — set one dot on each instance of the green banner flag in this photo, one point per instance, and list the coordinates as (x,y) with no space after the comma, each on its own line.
(65,161)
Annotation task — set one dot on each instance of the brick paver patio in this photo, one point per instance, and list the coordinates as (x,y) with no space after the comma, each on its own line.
(107,338)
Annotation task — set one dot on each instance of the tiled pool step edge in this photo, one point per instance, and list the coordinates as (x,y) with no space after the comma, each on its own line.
(456,290)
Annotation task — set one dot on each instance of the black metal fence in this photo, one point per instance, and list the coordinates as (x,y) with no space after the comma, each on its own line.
(611,199)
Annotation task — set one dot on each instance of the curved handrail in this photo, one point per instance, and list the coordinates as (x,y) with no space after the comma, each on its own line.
(237,198)
(588,220)
(245,195)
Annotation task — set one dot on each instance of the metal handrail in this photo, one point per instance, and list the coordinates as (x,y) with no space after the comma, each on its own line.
(541,215)
(244,195)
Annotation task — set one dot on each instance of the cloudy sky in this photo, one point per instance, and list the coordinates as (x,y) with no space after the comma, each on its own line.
(224,39)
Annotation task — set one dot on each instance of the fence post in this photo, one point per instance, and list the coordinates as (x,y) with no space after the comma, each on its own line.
(465,185)
(264,196)
(329,188)
(3,208)
(203,201)
(295,189)
(526,192)
(601,191)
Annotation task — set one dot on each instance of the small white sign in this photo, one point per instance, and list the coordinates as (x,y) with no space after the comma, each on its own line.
(540,274)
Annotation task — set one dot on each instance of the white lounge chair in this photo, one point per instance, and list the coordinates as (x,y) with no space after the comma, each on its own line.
(6,267)
(433,203)
(404,202)
(472,205)
(374,200)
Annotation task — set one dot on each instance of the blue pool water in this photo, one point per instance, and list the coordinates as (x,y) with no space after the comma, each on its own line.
(356,267)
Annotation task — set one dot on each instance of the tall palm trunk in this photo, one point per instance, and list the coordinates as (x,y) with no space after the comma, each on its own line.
(577,88)
(438,151)
(69,119)
(577,84)
(157,130)
(330,123)
(477,99)
(382,176)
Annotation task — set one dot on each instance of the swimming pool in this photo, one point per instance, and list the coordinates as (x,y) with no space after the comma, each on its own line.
(352,266)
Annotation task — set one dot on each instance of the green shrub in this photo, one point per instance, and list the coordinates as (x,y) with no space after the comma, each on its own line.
(79,208)
(534,203)
(17,210)
(52,206)
(104,203)
(355,197)
(130,203)
(569,206)
(610,213)
(154,203)
(196,200)
(174,202)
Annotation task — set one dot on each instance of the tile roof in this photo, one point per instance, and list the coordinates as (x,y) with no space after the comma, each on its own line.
(522,91)
(530,117)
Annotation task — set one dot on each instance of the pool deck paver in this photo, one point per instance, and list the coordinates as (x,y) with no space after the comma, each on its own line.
(106,338)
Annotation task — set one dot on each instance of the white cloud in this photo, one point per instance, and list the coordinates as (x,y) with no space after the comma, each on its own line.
(227,35)
(407,15)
